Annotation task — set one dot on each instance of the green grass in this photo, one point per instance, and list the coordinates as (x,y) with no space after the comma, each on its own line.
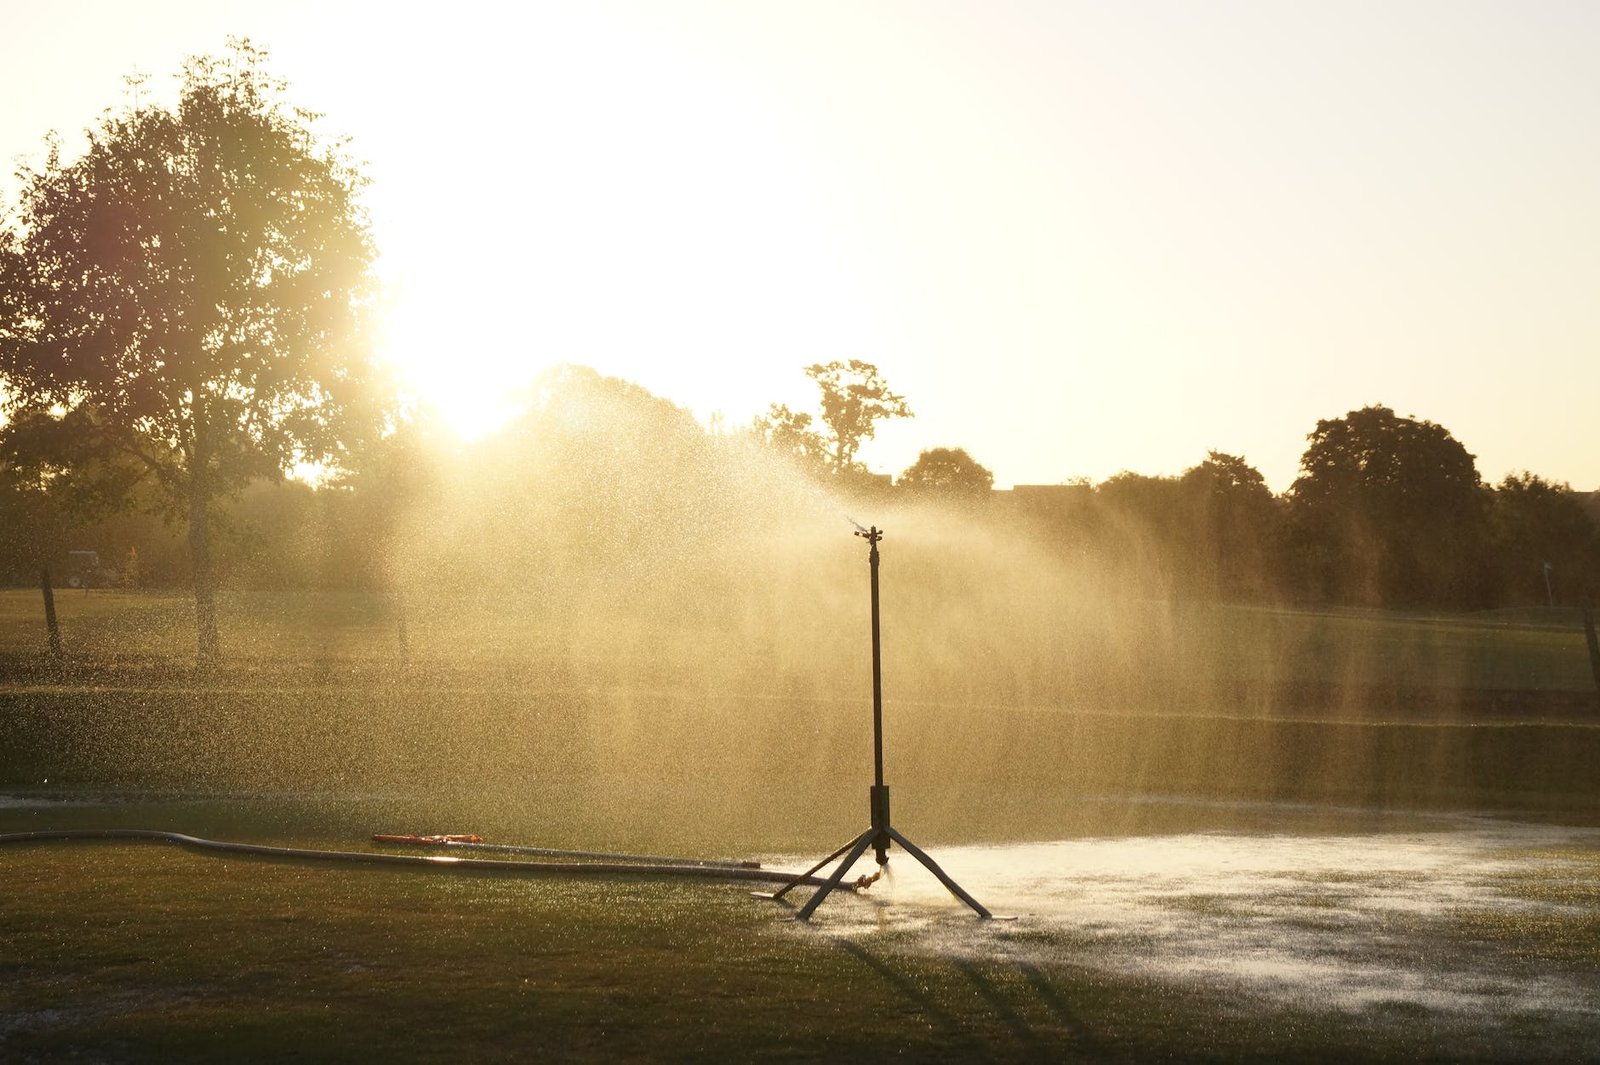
(152,954)
(175,956)
(520,721)
(1041,653)
(499,701)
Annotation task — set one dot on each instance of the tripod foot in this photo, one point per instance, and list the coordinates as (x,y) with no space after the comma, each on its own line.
(933,867)
(861,843)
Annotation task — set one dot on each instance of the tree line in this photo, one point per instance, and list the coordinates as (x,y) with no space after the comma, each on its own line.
(1387,511)
(186,316)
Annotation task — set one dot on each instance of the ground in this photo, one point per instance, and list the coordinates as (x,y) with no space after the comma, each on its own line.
(1241,857)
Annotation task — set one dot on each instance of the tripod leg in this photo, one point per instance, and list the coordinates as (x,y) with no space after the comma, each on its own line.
(862,842)
(781,892)
(955,888)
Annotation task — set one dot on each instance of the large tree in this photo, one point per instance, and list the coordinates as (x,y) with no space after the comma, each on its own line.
(1547,547)
(1389,510)
(1136,519)
(948,473)
(854,398)
(1232,527)
(191,294)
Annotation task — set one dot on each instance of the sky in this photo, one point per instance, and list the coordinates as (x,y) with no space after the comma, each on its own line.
(1080,238)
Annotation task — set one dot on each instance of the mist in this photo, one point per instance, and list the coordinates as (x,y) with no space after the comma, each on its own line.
(609,622)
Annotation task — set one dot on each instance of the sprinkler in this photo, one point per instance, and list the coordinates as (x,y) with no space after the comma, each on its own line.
(880,833)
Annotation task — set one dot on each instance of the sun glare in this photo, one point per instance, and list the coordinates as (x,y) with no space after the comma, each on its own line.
(652,226)
(469,385)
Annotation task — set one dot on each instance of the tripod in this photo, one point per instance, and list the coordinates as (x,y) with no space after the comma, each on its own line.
(881,833)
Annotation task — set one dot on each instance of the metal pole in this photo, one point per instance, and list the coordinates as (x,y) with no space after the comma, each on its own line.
(877,666)
(880,835)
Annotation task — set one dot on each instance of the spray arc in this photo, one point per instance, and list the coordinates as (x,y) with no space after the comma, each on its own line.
(881,833)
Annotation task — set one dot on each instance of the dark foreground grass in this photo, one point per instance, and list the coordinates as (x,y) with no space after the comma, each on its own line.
(122,953)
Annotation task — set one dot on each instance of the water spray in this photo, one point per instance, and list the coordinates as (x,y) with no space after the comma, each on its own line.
(881,833)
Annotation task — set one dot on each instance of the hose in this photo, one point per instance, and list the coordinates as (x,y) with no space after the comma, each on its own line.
(435,862)
(447,843)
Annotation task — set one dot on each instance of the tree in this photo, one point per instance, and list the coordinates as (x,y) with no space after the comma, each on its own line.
(1232,528)
(948,473)
(192,293)
(1389,510)
(1537,524)
(855,397)
(31,524)
(790,434)
(1135,527)
(598,473)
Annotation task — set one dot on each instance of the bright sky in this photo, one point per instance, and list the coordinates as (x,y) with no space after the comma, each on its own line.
(1079,237)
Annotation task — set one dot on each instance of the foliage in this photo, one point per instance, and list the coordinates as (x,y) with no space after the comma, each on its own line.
(1538,524)
(596,478)
(854,397)
(1389,509)
(1213,533)
(1233,527)
(1137,521)
(31,523)
(950,473)
(189,297)
(790,434)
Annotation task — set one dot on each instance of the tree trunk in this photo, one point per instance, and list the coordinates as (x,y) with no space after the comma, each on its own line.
(207,647)
(51,625)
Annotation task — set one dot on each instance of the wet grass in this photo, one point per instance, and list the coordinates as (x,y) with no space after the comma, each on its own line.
(152,954)
(1052,652)
(644,740)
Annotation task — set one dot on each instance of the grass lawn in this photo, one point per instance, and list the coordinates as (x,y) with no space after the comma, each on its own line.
(147,953)
(1046,654)
(615,737)
(119,953)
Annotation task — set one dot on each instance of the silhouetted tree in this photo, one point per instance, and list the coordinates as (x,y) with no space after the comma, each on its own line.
(1136,521)
(1232,529)
(790,434)
(59,451)
(192,292)
(30,524)
(947,473)
(855,398)
(1536,523)
(1389,510)
(597,474)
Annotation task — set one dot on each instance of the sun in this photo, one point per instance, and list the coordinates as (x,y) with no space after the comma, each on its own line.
(456,363)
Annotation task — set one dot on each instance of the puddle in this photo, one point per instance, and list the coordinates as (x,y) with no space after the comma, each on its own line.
(1471,916)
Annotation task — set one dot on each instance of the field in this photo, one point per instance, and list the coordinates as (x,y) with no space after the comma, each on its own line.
(1229,833)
